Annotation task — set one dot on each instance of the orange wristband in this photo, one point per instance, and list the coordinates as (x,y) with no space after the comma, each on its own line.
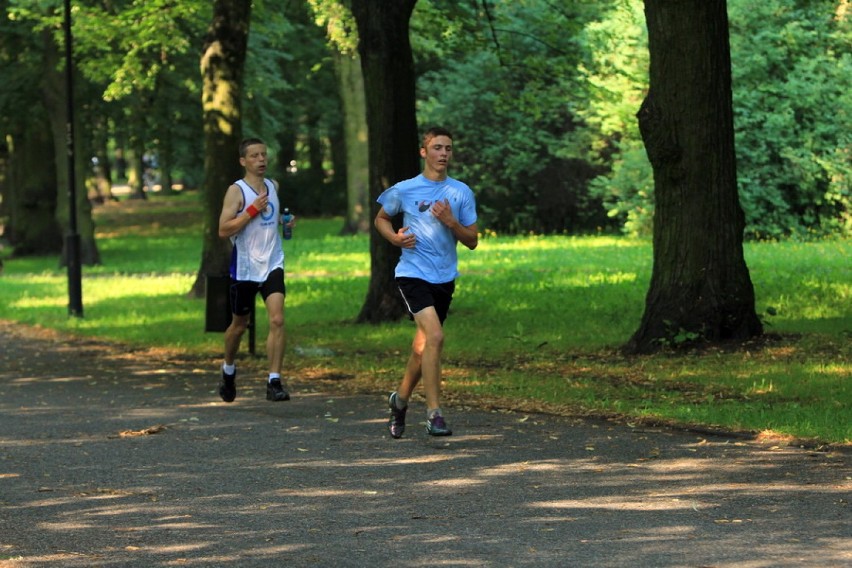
(252,211)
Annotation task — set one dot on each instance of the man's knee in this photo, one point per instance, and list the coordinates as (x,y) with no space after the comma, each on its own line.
(276,321)
(238,326)
(433,338)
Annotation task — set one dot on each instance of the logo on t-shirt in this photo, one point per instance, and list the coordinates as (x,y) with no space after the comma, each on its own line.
(423,205)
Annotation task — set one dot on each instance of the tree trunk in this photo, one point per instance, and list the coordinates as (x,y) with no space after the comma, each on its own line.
(222,64)
(53,94)
(700,286)
(388,68)
(351,84)
(137,159)
(30,192)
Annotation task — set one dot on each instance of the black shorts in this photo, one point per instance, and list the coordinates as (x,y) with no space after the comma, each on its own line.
(243,292)
(419,294)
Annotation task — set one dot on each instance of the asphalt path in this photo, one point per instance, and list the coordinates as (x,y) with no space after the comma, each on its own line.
(110,458)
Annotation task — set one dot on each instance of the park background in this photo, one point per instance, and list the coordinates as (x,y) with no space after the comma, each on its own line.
(543,99)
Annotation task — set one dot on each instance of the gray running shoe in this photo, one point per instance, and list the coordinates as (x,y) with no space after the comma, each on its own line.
(436,426)
(396,424)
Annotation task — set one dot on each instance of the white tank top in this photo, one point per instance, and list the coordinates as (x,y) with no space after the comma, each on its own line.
(257,248)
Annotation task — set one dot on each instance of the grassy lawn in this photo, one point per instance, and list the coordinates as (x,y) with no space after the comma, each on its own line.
(536,324)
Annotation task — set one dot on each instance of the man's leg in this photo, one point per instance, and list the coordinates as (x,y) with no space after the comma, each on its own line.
(233,335)
(228,387)
(398,400)
(431,334)
(275,342)
(277,338)
(411,376)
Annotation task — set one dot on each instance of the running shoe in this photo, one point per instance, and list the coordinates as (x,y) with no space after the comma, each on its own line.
(396,424)
(228,387)
(275,391)
(436,426)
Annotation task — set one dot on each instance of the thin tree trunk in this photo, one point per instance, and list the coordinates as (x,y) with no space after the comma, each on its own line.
(388,67)
(222,64)
(351,83)
(700,286)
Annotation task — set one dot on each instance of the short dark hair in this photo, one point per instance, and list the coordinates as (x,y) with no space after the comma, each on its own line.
(434,132)
(249,142)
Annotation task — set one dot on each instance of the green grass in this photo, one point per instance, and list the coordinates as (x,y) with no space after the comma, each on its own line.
(536,323)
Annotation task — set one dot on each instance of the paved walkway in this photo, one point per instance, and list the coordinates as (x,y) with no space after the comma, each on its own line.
(117,459)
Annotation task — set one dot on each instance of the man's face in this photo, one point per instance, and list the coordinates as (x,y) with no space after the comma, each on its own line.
(255,159)
(437,153)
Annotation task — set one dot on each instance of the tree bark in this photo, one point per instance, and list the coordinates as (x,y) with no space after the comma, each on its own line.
(30,192)
(700,285)
(351,83)
(222,65)
(388,67)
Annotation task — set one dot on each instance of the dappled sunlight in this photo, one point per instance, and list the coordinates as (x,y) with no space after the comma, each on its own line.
(322,493)
(554,242)
(180,548)
(368,462)
(622,503)
(838,370)
(523,467)
(30,302)
(78,497)
(198,482)
(42,380)
(456,482)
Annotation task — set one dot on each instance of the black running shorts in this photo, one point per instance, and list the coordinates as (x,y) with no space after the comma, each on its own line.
(243,292)
(419,294)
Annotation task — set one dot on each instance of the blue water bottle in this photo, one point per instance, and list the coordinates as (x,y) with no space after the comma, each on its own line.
(288,230)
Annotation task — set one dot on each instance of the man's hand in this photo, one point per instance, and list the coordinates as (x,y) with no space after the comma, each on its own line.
(465,235)
(444,213)
(261,201)
(403,240)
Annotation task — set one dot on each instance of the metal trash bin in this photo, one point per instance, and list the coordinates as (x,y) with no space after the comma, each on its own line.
(217,313)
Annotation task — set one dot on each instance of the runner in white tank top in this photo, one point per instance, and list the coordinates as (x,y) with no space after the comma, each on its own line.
(251,214)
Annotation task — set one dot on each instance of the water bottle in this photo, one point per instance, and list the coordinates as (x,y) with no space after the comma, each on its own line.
(288,230)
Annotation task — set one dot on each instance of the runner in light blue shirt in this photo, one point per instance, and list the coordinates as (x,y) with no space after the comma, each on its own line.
(434,259)
(438,212)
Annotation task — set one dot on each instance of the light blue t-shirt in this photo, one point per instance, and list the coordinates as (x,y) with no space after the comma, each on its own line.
(433,257)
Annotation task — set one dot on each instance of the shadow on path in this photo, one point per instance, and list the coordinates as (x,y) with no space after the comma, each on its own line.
(115,459)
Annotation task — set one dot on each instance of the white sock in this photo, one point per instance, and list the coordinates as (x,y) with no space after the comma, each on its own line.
(273,376)
(229,369)
(430,414)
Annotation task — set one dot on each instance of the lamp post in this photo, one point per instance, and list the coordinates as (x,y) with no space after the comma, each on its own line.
(72,239)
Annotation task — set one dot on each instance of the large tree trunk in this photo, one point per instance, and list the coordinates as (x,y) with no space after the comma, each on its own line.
(700,286)
(53,93)
(388,68)
(351,84)
(30,190)
(222,64)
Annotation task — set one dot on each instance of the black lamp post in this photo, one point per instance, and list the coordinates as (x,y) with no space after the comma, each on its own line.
(72,239)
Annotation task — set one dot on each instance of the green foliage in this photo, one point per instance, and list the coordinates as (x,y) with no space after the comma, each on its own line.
(791,72)
(616,70)
(541,96)
(627,191)
(504,97)
(792,101)
(336,17)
